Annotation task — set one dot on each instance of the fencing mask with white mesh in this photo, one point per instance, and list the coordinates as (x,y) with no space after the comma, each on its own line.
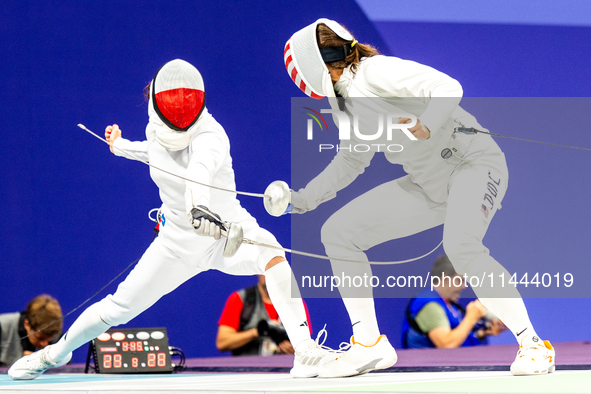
(304,61)
(178,94)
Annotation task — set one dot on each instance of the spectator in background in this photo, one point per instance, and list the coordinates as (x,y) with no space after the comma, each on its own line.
(435,318)
(250,325)
(18,330)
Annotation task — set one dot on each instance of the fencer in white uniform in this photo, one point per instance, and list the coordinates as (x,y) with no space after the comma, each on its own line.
(182,138)
(456,177)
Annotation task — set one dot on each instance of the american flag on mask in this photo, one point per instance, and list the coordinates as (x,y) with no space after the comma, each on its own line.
(484,210)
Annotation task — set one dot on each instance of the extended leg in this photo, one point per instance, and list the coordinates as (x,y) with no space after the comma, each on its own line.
(475,195)
(157,273)
(284,294)
(393,210)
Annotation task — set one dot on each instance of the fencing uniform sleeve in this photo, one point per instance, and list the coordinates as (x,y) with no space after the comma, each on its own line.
(138,149)
(342,170)
(208,151)
(394,77)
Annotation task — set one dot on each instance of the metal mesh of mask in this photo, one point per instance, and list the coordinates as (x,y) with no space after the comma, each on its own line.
(178,94)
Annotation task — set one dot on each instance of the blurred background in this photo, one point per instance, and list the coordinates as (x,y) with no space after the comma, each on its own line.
(75,215)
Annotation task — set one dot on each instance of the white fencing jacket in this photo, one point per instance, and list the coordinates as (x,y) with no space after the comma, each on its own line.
(414,88)
(207,160)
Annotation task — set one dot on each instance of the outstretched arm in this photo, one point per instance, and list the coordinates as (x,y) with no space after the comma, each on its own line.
(208,150)
(119,145)
(342,170)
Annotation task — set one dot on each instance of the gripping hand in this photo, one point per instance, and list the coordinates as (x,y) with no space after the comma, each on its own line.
(206,223)
(297,203)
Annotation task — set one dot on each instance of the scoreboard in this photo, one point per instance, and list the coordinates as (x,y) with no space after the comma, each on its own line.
(132,350)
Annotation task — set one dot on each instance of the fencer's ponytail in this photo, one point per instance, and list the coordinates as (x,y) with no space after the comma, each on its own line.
(327,38)
(147,91)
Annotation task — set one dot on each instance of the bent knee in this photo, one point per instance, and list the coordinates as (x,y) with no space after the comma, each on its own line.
(327,231)
(274,261)
(462,252)
(335,231)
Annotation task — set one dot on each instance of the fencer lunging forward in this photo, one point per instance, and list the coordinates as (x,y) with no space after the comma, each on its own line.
(184,139)
(455,178)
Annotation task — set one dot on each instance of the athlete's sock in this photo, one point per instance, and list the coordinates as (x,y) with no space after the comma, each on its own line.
(287,302)
(513,314)
(503,299)
(362,313)
(88,326)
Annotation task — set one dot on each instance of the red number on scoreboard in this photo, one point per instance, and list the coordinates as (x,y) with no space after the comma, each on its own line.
(132,346)
(139,346)
(125,346)
(151,359)
(117,361)
(161,359)
(134,362)
(107,361)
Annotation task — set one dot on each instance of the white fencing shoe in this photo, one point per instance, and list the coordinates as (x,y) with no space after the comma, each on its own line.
(310,356)
(33,365)
(360,359)
(535,357)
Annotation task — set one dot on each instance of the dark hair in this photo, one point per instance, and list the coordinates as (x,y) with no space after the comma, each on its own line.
(42,311)
(328,38)
(147,91)
(443,266)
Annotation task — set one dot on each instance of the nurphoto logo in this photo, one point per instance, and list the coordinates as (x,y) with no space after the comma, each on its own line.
(387,123)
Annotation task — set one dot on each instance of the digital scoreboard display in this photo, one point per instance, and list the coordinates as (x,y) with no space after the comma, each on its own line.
(139,350)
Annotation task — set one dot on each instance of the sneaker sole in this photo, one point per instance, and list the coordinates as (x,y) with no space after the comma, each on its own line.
(517,372)
(304,372)
(379,364)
